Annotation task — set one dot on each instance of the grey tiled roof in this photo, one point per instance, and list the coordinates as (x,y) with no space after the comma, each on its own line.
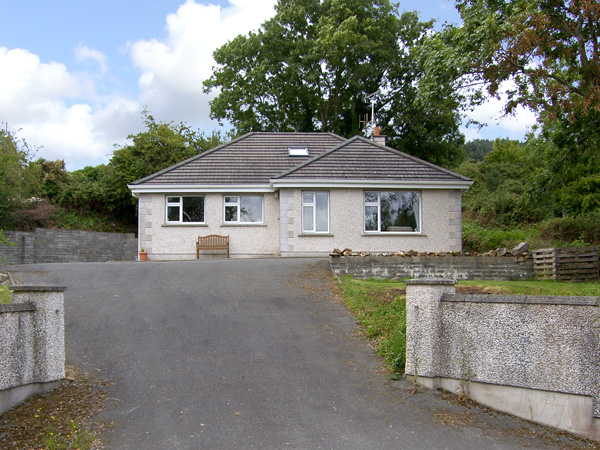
(253,158)
(361,159)
(257,158)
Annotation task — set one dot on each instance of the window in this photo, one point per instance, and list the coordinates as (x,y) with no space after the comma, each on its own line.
(243,209)
(394,211)
(315,212)
(185,209)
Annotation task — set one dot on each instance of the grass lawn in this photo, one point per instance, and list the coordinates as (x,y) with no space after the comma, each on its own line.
(4,294)
(380,306)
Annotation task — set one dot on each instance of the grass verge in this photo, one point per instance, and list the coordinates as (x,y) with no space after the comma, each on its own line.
(380,306)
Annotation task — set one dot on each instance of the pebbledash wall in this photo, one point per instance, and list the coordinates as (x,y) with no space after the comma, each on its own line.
(32,343)
(281,233)
(453,267)
(49,246)
(533,356)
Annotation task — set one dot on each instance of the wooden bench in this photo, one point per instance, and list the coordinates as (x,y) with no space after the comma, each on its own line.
(212,242)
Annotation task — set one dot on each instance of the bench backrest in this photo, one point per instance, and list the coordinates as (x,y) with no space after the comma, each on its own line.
(213,240)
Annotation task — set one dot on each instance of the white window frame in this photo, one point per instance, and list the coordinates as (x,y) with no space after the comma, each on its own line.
(378,205)
(312,205)
(237,205)
(170,202)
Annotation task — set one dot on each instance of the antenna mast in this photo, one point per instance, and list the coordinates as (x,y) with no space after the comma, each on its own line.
(371,98)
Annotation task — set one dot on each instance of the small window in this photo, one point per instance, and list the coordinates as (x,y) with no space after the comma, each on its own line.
(188,209)
(315,212)
(298,151)
(243,209)
(392,212)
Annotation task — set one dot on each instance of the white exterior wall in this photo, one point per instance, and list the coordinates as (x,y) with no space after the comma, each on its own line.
(175,242)
(440,224)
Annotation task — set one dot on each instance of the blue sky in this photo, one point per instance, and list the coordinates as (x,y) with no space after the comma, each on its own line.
(75,75)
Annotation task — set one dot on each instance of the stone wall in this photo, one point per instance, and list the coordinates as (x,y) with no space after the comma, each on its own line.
(32,343)
(453,267)
(50,246)
(532,356)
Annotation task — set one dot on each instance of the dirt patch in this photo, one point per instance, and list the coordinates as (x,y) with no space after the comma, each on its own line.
(64,415)
(491,290)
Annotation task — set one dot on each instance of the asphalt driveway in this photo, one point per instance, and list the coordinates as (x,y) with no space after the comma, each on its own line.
(234,354)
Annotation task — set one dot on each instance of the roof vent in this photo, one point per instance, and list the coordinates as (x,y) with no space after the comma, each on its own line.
(298,151)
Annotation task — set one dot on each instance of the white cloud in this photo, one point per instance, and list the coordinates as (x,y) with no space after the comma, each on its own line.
(85,54)
(173,69)
(491,113)
(60,112)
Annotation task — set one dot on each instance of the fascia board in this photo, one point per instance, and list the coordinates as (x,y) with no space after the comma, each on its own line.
(370,184)
(195,188)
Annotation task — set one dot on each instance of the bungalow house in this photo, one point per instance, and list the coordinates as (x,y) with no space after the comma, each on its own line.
(300,194)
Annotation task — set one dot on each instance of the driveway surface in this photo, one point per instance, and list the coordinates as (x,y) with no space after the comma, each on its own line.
(251,354)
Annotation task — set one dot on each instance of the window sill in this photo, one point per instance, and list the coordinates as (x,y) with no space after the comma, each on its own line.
(168,225)
(393,233)
(312,235)
(243,225)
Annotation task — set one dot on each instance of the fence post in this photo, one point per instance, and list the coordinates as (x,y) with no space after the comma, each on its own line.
(423,327)
(49,329)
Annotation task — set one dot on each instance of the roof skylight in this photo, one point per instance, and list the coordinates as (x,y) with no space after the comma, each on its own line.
(298,151)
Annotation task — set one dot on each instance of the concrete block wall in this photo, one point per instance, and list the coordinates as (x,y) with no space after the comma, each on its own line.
(452,267)
(50,245)
(532,356)
(32,343)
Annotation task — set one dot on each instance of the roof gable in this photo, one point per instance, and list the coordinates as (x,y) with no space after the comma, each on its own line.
(361,159)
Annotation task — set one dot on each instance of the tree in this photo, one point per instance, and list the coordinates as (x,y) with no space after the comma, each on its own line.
(16,179)
(547,53)
(309,68)
(160,146)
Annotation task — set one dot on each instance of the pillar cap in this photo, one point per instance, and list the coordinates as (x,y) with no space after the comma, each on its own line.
(430,282)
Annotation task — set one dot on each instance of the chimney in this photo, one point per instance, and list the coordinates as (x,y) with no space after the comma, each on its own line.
(377,137)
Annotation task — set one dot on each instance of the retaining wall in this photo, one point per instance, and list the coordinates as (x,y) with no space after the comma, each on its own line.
(532,356)
(50,246)
(452,267)
(32,343)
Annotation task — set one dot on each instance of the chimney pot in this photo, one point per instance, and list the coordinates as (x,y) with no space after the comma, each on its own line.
(376,131)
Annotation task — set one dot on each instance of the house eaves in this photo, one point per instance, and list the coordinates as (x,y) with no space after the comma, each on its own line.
(136,190)
(366,184)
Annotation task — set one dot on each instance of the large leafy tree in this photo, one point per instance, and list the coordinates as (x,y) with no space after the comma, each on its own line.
(309,68)
(546,55)
(160,146)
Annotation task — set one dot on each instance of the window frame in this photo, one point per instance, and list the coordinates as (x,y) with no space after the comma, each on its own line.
(377,204)
(169,203)
(237,204)
(314,206)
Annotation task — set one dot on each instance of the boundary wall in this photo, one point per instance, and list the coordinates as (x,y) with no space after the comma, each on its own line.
(32,343)
(532,356)
(453,267)
(46,245)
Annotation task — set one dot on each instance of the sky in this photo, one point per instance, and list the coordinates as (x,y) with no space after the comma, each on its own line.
(75,75)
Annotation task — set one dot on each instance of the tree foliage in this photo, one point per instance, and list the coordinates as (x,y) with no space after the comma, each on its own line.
(309,68)
(16,175)
(160,146)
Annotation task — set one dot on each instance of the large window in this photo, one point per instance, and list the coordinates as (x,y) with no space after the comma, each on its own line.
(243,209)
(315,212)
(185,209)
(392,212)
